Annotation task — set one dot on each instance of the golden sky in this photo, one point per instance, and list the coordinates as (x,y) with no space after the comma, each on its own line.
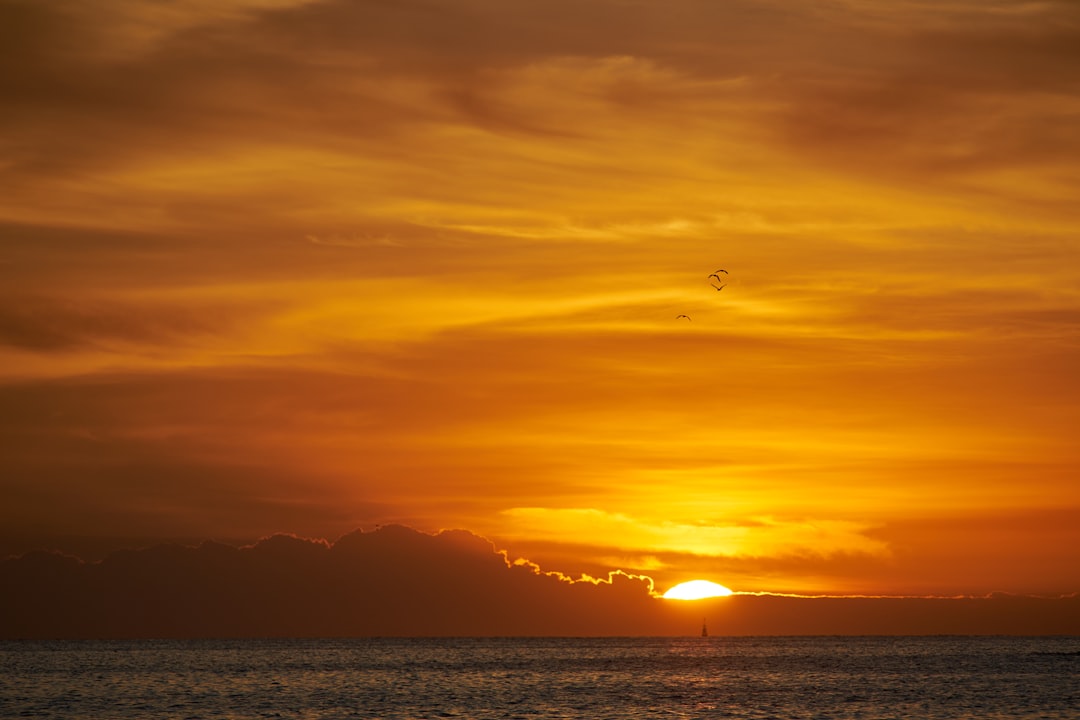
(307,266)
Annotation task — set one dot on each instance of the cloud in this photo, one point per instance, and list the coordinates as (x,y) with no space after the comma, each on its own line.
(957,96)
(399,582)
(394,581)
(764,537)
(270,113)
(967,553)
(183,454)
(60,324)
(420,261)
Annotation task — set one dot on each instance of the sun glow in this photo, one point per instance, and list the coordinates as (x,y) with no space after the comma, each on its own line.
(696,590)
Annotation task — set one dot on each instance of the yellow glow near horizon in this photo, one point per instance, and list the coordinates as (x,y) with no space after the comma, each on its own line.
(697,590)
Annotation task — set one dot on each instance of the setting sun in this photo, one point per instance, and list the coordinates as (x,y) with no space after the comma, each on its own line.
(696,590)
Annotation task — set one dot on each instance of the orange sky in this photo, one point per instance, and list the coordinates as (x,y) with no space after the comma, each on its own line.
(307,265)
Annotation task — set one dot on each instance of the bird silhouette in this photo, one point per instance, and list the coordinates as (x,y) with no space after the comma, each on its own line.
(718,278)
(683,316)
(722,270)
(718,289)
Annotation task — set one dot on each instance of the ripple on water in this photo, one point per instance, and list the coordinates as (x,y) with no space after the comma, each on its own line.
(545,678)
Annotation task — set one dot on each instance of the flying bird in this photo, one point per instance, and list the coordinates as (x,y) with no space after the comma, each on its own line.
(721,270)
(718,289)
(718,278)
(683,316)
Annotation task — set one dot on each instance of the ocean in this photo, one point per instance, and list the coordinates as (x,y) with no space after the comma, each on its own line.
(532,678)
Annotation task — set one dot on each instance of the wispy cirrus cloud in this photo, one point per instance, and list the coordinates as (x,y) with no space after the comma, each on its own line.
(756,537)
(422,260)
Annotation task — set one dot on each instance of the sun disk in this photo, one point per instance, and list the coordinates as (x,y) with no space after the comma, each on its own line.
(696,590)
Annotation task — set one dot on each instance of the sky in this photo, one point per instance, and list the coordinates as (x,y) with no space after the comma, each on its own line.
(313,266)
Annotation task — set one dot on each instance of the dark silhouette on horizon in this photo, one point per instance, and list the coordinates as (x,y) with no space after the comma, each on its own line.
(397,581)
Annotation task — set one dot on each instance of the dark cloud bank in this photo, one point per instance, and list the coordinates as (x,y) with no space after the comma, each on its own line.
(400,582)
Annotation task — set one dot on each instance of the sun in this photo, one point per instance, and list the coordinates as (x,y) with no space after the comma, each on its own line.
(696,590)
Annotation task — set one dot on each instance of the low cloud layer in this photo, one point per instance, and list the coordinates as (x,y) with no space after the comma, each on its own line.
(396,581)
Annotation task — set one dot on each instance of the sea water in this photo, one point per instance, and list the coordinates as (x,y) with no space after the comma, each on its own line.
(715,677)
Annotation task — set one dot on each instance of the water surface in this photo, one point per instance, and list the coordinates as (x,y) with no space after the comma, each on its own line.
(934,677)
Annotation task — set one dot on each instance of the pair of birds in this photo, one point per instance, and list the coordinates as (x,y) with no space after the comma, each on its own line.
(718,289)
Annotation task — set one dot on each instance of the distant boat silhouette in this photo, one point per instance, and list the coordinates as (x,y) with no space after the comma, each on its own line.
(704,629)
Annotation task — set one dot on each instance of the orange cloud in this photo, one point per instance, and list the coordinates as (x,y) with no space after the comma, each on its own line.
(306,266)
